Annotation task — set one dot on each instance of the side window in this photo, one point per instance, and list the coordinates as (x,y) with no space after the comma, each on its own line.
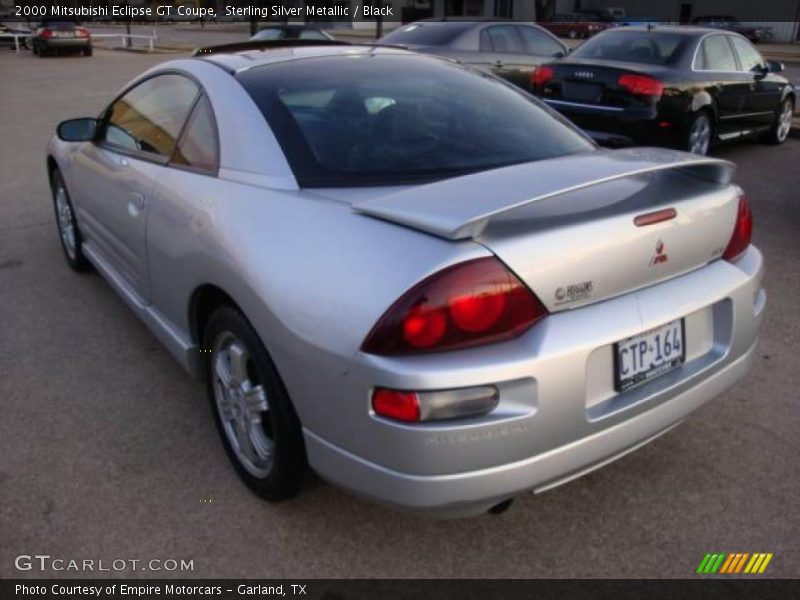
(504,39)
(149,117)
(312,34)
(749,58)
(197,147)
(486,41)
(715,55)
(537,42)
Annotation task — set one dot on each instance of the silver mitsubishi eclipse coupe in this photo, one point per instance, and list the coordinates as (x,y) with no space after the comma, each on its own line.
(408,275)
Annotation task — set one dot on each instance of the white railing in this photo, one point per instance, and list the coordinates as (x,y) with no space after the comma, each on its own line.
(129,36)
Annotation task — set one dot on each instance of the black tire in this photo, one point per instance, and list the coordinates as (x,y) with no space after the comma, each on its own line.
(283,478)
(75,257)
(87,51)
(696,122)
(777,134)
(35,49)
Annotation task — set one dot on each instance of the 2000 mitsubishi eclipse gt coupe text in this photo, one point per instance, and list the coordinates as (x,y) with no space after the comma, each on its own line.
(408,274)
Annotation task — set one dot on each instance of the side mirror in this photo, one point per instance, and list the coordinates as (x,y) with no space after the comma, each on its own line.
(559,55)
(77,130)
(773,66)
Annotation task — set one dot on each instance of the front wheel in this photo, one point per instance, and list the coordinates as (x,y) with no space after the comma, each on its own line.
(782,124)
(699,134)
(252,410)
(68,232)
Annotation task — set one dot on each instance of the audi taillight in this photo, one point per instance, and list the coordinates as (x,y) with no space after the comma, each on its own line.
(742,232)
(469,304)
(81,32)
(540,76)
(641,85)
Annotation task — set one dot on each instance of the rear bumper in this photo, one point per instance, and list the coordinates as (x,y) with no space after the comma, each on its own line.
(474,492)
(558,415)
(64,43)
(643,126)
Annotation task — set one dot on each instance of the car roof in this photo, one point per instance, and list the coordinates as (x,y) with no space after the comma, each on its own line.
(689,31)
(248,58)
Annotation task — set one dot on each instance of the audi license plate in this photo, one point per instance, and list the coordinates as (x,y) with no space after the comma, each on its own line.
(648,355)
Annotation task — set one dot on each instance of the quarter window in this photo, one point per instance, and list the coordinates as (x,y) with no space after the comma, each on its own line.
(197,148)
(504,39)
(149,117)
(749,58)
(715,55)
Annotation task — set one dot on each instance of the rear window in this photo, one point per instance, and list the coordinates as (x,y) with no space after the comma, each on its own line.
(633,46)
(383,119)
(426,34)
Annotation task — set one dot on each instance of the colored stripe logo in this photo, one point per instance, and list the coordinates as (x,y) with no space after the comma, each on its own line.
(733,563)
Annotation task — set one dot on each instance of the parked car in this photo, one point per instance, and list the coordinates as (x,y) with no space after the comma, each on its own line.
(54,37)
(426,285)
(676,86)
(575,25)
(291,32)
(507,49)
(728,23)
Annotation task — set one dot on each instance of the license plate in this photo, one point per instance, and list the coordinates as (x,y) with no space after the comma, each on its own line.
(64,34)
(648,355)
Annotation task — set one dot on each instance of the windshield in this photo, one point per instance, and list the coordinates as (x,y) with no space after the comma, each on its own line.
(389,119)
(633,46)
(426,34)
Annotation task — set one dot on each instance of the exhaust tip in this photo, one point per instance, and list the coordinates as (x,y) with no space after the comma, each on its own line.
(499,509)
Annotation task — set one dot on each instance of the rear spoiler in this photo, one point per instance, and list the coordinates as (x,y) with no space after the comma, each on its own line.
(461,207)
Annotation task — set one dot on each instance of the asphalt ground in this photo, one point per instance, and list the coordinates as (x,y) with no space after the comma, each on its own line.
(107,448)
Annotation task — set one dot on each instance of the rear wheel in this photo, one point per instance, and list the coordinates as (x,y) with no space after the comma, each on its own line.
(782,124)
(252,410)
(87,51)
(699,134)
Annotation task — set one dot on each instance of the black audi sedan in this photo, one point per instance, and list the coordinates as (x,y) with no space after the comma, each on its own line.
(504,48)
(682,87)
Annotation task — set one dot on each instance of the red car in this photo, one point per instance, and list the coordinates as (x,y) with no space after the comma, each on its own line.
(575,25)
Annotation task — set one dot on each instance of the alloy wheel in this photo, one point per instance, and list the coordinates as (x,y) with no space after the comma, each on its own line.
(66,224)
(784,121)
(242,404)
(700,136)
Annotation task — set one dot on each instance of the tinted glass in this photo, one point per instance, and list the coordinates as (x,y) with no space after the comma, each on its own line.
(197,147)
(537,42)
(149,117)
(271,33)
(384,119)
(633,46)
(505,39)
(715,55)
(749,58)
(426,34)
(312,34)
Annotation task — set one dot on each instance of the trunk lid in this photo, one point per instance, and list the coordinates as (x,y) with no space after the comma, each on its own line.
(597,82)
(566,226)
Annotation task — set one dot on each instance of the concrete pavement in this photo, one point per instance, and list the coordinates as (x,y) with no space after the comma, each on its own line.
(107,449)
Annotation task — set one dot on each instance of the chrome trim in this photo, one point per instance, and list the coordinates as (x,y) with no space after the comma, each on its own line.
(580,105)
(755,114)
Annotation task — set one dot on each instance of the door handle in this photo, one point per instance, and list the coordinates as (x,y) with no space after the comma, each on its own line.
(136,200)
(498,63)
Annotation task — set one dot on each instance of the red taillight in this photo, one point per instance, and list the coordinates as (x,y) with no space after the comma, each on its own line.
(81,32)
(46,33)
(403,406)
(641,85)
(473,303)
(540,76)
(742,232)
